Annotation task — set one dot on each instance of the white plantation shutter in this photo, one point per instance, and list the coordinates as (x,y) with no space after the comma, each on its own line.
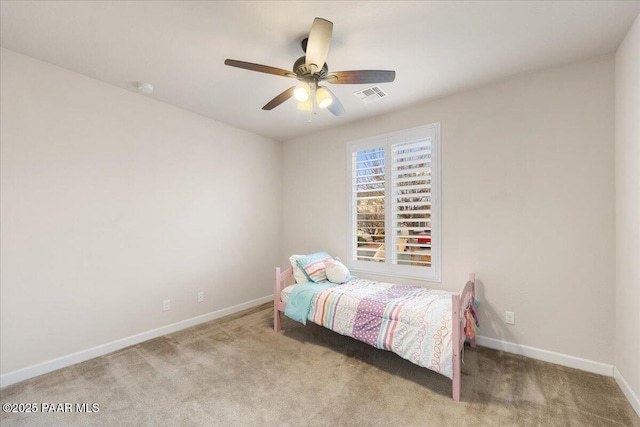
(394,210)
(411,202)
(368,204)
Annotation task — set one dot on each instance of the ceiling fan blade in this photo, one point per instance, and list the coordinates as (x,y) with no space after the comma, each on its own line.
(361,76)
(260,68)
(279,99)
(335,107)
(318,43)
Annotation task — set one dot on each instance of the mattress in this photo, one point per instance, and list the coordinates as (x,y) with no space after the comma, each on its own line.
(284,294)
(413,322)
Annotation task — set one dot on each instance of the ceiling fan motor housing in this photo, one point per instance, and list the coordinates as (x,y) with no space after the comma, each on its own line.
(306,74)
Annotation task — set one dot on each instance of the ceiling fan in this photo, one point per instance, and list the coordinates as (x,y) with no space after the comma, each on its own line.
(311,69)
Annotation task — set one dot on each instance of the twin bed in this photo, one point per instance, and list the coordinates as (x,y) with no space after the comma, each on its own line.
(424,326)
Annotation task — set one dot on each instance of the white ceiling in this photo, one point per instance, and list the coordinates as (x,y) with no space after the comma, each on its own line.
(436,48)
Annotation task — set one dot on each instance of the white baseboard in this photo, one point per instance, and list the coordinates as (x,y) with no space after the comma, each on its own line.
(565,360)
(71,359)
(547,356)
(629,394)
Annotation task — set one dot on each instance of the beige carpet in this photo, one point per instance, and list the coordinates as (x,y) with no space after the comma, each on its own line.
(236,371)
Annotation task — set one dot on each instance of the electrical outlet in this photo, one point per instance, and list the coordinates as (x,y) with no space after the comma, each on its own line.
(200,296)
(166,305)
(509,317)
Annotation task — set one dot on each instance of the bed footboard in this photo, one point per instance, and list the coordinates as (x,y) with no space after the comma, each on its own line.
(461,302)
(283,279)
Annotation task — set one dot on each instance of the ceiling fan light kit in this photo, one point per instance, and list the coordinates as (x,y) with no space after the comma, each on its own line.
(305,105)
(311,69)
(323,98)
(302,92)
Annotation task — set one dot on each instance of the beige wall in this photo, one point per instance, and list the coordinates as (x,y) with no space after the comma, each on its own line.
(627,163)
(528,201)
(112,202)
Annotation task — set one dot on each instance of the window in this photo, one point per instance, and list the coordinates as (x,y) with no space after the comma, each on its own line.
(394,209)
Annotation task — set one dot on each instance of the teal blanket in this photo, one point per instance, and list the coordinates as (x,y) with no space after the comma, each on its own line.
(299,303)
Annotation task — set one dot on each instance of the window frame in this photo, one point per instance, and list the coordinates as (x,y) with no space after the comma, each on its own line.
(387,268)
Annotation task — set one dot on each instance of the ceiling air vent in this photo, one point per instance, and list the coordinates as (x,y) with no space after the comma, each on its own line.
(371,94)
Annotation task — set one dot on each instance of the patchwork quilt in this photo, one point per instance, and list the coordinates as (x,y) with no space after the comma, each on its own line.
(411,321)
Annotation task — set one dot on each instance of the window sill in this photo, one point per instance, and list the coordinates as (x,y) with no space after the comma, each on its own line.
(431,279)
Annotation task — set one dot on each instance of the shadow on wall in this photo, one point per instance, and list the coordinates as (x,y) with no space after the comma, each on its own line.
(490,319)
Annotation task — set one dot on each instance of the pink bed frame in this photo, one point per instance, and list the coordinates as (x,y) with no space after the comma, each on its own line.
(461,301)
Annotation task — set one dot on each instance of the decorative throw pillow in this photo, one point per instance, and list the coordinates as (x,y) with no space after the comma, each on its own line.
(337,272)
(298,272)
(314,265)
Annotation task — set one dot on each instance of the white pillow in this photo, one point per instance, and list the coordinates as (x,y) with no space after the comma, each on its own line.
(337,272)
(298,273)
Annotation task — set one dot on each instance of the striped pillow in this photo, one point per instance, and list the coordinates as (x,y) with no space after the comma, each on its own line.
(315,265)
